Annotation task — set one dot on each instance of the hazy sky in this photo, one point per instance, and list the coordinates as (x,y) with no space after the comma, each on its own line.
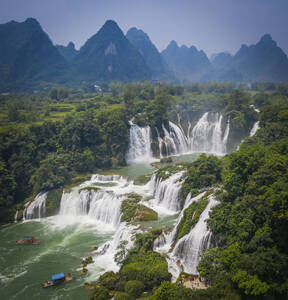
(211,25)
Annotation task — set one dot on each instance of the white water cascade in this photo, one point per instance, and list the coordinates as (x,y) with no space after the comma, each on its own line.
(37,208)
(98,205)
(167,192)
(174,140)
(104,256)
(185,255)
(140,144)
(98,199)
(16,217)
(207,135)
(254,128)
(188,249)
(164,241)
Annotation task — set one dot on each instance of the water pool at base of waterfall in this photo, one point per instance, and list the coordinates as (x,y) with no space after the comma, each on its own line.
(23,268)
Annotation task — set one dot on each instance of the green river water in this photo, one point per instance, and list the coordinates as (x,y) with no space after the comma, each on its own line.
(24,267)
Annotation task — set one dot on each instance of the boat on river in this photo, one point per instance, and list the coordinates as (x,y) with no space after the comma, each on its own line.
(57,279)
(28,240)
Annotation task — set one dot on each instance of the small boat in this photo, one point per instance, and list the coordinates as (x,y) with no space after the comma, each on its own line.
(28,240)
(57,279)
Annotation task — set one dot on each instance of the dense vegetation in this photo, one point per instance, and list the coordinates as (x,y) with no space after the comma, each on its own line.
(251,222)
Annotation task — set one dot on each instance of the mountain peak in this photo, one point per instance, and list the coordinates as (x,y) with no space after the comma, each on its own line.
(266,39)
(71,45)
(141,41)
(32,22)
(136,33)
(108,55)
(173,44)
(110,26)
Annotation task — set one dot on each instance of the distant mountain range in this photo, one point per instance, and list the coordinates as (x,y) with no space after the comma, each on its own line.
(29,60)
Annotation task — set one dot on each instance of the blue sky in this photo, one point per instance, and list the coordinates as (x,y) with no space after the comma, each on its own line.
(211,25)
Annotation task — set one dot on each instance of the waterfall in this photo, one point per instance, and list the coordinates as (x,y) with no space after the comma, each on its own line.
(186,253)
(89,202)
(254,128)
(100,205)
(165,241)
(140,144)
(160,143)
(175,140)
(167,192)
(37,208)
(207,135)
(104,255)
(16,217)
(189,248)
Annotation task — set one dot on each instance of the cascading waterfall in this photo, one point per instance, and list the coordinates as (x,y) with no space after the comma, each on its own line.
(165,241)
(104,256)
(207,135)
(160,142)
(16,216)
(167,192)
(37,208)
(189,248)
(98,205)
(186,253)
(254,128)
(175,140)
(140,144)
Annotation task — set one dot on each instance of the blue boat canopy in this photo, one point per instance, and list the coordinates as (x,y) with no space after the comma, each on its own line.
(58,276)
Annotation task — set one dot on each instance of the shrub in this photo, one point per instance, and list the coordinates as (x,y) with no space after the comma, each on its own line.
(101,293)
(122,296)
(109,280)
(134,288)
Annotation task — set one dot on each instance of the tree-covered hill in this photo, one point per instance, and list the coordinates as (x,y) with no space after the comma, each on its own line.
(108,56)
(28,57)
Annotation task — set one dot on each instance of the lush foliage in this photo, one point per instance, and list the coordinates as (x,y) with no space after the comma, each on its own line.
(203,173)
(251,222)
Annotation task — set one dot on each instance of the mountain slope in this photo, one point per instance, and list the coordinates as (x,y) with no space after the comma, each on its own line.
(68,52)
(188,64)
(141,41)
(27,56)
(108,55)
(262,62)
